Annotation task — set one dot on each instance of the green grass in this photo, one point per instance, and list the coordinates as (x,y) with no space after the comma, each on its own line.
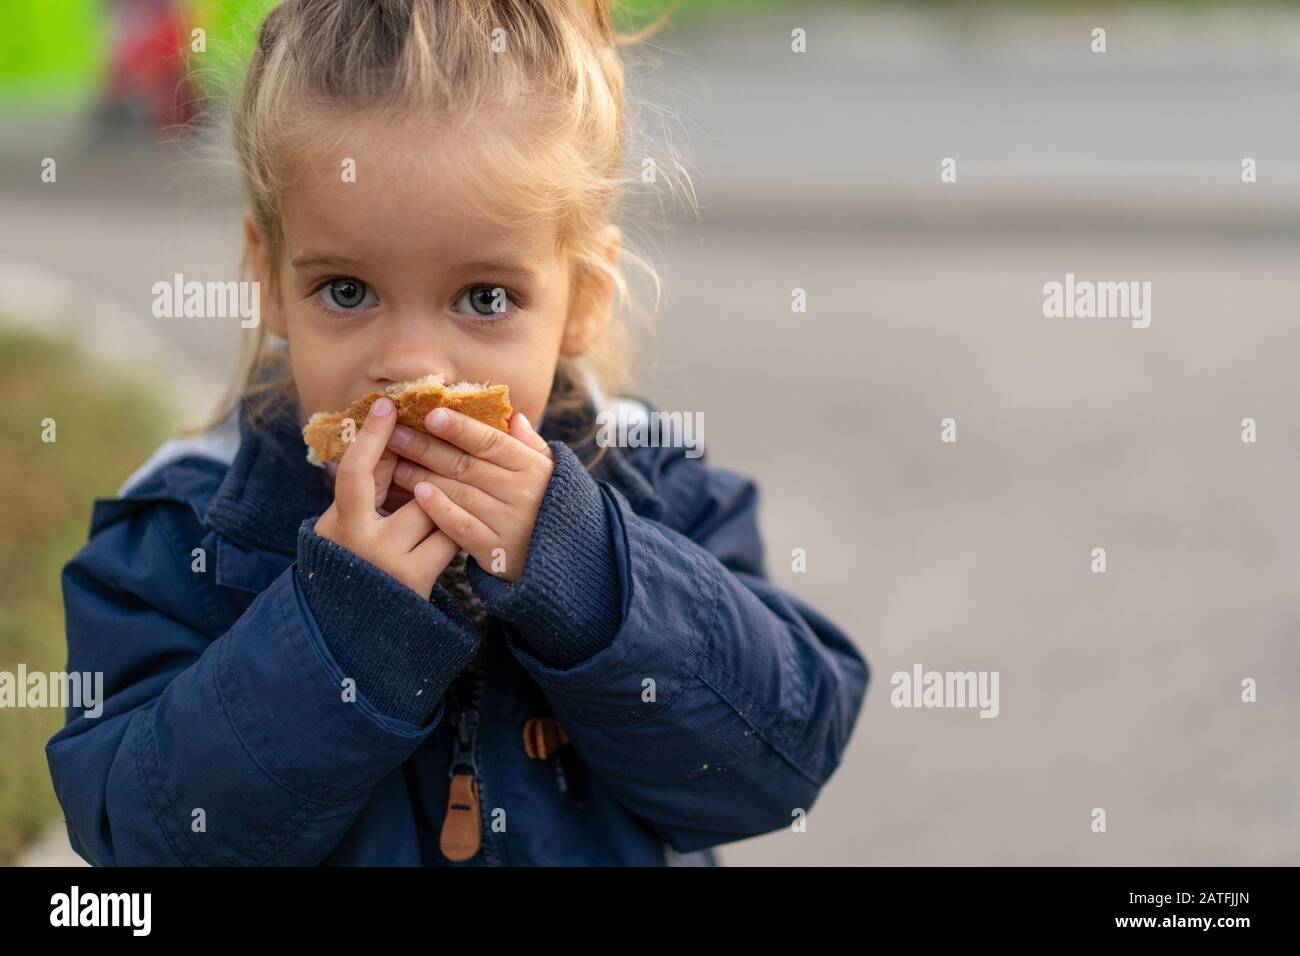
(105,429)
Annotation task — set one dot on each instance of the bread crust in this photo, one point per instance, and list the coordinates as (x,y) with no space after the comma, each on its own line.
(489,404)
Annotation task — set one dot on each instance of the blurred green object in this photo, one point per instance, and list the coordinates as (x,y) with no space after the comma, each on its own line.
(55,54)
(52,52)
(231,27)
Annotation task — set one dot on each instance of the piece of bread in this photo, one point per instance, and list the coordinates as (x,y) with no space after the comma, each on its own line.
(489,404)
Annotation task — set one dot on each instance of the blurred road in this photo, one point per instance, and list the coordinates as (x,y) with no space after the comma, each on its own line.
(821,172)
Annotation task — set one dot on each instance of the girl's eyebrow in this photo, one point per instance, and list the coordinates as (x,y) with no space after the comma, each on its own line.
(518,271)
(302,261)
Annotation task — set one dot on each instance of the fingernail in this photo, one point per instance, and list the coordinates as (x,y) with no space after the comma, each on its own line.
(402,471)
(527,423)
(423,490)
(438,419)
(382,407)
(401,437)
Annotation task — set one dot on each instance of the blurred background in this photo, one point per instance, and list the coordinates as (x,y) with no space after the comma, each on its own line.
(818,171)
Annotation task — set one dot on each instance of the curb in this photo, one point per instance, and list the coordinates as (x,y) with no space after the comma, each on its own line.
(45,304)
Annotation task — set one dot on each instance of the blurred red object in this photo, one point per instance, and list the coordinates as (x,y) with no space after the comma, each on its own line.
(149,74)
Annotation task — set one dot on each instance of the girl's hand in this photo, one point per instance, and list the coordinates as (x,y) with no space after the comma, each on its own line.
(407,543)
(481,486)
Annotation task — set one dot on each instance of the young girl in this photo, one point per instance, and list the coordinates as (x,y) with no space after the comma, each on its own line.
(462,647)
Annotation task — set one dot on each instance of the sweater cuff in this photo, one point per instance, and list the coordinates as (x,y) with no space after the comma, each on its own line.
(567,604)
(401,650)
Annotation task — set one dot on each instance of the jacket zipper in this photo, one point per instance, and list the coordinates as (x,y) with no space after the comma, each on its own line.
(464,826)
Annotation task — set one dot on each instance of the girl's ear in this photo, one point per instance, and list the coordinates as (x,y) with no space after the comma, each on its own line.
(260,267)
(591,298)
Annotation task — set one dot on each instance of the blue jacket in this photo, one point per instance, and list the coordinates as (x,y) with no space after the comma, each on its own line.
(703,704)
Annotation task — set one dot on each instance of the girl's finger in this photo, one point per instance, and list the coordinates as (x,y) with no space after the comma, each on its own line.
(458,524)
(436,550)
(354,487)
(384,476)
(445,458)
(475,500)
(480,440)
(408,526)
(523,430)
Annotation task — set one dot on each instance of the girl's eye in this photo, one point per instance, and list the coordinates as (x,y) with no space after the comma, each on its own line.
(345,292)
(485,300)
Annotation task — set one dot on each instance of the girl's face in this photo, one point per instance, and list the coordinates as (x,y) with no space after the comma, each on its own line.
(393,276)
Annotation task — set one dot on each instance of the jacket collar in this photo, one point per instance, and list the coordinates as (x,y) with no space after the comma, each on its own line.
(271,488)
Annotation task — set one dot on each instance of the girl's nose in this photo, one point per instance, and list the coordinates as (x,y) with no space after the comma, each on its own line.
(406,361)
(411,371)
(409,349)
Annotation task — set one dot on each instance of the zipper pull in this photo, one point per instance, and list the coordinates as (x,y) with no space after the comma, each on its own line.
(543,736)
(461,835)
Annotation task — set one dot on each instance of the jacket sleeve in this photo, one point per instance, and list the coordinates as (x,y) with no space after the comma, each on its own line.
(243,748)
(712,704)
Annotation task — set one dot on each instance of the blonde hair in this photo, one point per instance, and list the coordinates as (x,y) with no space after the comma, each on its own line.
(560,72)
